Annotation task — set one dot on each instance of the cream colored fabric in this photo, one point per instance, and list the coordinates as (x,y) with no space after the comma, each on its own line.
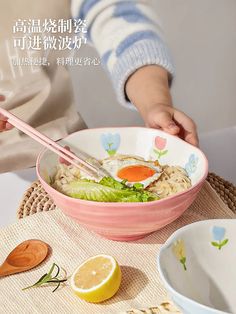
(71,244)
(163,308)
(40,95)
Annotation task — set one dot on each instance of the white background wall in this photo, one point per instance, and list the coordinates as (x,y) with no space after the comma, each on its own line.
(202,38)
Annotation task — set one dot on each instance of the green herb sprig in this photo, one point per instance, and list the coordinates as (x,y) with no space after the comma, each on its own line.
(50,278)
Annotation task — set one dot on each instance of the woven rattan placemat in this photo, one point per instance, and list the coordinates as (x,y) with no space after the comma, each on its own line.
(37,200)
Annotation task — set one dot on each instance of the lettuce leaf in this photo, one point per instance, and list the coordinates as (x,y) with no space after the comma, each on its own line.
(108,181)
(107,191)
(112,183)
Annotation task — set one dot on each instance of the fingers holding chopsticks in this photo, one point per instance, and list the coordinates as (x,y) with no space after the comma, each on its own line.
(4,124)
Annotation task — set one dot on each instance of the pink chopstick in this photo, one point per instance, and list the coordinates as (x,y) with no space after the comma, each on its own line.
(53,146)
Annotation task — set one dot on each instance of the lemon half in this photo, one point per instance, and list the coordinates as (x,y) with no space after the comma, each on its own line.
(97,279)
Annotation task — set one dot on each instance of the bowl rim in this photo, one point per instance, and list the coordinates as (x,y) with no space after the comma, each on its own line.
(125,204)
(167,243)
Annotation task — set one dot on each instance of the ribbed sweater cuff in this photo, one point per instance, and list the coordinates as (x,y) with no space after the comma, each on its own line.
(145,52)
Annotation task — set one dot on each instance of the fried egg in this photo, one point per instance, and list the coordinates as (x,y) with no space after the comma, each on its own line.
(133,169)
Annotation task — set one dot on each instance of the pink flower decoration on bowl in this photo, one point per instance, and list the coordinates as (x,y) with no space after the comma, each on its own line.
(160,142)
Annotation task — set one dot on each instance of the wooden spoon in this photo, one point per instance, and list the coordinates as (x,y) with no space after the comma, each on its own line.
(25,256)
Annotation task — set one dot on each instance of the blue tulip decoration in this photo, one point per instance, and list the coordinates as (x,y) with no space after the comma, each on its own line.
(218,236)
(110,142)
(191,165)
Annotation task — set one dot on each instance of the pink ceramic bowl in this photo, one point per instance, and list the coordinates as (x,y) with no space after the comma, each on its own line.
(127,221)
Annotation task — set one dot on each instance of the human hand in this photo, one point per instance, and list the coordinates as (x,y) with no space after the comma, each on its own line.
(148,90)
(4,124)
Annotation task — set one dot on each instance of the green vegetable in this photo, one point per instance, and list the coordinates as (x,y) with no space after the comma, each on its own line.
(108,181)
(138,186)
(49,278)
(112,183)
(107,190)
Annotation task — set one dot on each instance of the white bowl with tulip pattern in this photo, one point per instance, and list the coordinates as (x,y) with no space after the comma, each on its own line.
(198,267)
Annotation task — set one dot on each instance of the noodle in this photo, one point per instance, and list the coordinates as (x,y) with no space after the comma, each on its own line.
(174,179)
(64,175)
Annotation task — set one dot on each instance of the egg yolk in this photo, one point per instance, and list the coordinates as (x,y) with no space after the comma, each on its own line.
(135,173)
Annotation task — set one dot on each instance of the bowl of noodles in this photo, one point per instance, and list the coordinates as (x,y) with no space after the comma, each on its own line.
(153,178)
